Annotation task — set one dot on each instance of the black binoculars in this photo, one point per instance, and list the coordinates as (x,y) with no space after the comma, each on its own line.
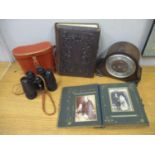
(31,82)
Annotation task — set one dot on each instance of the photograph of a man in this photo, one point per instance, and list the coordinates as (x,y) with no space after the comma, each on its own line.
(85,108)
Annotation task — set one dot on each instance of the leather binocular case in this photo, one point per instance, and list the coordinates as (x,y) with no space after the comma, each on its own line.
(30,56)
(121,62)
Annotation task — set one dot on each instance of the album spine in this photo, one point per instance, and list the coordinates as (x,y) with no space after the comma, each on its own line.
(101,106)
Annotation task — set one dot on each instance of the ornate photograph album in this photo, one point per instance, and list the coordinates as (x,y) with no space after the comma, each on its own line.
(101,105)
(76,48)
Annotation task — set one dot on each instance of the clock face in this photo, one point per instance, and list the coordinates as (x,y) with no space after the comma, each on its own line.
(120,66)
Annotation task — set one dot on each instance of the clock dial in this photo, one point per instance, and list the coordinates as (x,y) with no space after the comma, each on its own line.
(120,66)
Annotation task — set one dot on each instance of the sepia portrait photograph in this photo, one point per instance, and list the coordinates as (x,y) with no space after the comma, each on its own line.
(85,108)
(120,100)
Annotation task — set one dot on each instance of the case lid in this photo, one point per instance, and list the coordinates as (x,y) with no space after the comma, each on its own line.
(34,49)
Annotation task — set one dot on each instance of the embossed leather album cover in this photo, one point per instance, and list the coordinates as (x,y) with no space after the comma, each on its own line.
(101,105)
(76,48)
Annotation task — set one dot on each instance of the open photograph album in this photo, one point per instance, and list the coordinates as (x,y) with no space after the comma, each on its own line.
(101,105)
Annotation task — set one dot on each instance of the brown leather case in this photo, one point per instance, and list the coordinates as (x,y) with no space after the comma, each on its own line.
(29,55)
(76,49)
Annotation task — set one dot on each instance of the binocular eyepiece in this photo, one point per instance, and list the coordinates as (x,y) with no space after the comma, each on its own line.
(31,83)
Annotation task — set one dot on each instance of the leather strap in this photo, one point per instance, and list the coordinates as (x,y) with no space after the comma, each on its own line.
(35,61)
(45,93)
